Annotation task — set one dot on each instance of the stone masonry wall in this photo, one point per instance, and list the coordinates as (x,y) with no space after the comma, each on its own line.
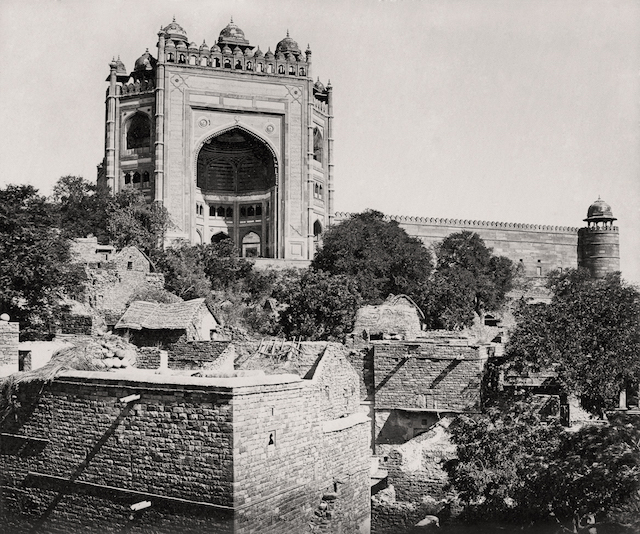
(9,334)
(174,442)
(427,376)
(221,455)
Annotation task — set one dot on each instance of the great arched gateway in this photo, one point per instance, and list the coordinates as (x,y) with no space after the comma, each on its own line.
(235,142)
(237,180)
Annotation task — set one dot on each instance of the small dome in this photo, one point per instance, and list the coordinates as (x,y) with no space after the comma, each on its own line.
(599,211)
(215,48)
(269,54)
(258,53)
(193,46)
(121,70)
(318,86)
(175,31)
(182,45)
(226,49)
(237,51)
(204,47)
(231,34)
(145,62)
(288,45)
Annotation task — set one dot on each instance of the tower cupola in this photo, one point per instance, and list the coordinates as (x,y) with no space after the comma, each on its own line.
(599,212)
(175,32)
(288,45)
(146,62)
(233,36)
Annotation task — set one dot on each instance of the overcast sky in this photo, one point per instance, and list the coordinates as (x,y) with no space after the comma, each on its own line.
(499,110)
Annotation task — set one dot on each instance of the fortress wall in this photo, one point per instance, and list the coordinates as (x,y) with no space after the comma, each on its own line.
(547,247)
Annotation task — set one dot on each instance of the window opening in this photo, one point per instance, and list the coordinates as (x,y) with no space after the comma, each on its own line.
(292,70)
(302,71)
(129,266)
(136,177)
(212,211)
(145,176)
(192,60)
(216,62)
(238,65)
(280,69)
(182,59)
(220,211)
(249,66)
(227,63)
(317,144)
(270,68)
(229,213)
(127,178)
(139,132)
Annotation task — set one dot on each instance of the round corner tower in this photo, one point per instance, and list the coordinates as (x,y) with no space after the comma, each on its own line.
(598,243)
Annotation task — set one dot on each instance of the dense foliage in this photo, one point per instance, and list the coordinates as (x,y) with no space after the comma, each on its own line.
(318,305)
(468,281)
(589,333)
(378,254)
(35,269)
(513,466)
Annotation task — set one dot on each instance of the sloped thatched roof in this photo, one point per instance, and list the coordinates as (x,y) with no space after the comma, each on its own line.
(159,316)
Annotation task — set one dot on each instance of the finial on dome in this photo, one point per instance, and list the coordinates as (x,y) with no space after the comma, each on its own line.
(287,32)
(231,22)
(174,18)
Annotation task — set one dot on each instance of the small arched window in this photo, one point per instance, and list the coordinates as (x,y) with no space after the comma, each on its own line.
(136,177)
(192,60)
(227,63)
(301,73)
(145,176)
(220,211)
(280,69)
(260,67)
(229,213)
(243,212)
(182,59)
(220,236)
(249,65)
(251,211)
(216,62)
(259,210)
(317,229)
(318,144)
(170,57)
(127,178)
(139,132)
(203,61)
(212,211)
(238,65)
(270,68)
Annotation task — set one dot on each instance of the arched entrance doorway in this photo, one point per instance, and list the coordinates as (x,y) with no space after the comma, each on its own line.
(236,175)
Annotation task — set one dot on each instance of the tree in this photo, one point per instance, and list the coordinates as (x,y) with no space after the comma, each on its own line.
(222,264)
(380,256)
(469,280)
(589,334)
(35,269)
(510,465)
(320,306)
(134,221)
(81,208)
(184,271)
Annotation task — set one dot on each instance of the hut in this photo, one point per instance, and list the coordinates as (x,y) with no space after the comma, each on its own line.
(149,324)
(398,317)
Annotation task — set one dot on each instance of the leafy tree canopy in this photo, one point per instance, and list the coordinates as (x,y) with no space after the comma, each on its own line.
(81,208)
(469,279)
(34,262)
(319,306)
(380,256)
(589,334)
(512,466)
(131,220)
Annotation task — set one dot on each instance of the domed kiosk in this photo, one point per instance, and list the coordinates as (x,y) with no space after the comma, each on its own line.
(598,243)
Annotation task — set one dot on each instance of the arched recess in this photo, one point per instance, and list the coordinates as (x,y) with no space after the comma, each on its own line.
(139,131)
(220,236)
(318,144)
(251,245)
(237,169)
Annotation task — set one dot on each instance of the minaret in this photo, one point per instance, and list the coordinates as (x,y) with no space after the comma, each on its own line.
(598,243)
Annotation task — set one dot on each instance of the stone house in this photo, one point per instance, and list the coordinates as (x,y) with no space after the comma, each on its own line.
(236,452)
(398,317)
(155,324)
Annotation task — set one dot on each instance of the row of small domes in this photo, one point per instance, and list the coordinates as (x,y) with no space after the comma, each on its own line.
(230,36)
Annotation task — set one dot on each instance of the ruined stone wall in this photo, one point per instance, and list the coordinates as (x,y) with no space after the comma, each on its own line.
(434,376)
(194,354)
(9,334)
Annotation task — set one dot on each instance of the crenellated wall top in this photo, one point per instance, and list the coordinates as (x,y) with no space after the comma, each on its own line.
(465,223)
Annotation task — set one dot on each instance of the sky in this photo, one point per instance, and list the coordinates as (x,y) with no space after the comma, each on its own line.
(496,110)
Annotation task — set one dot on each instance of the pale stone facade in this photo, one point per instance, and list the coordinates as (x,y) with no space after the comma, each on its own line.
(236,143)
